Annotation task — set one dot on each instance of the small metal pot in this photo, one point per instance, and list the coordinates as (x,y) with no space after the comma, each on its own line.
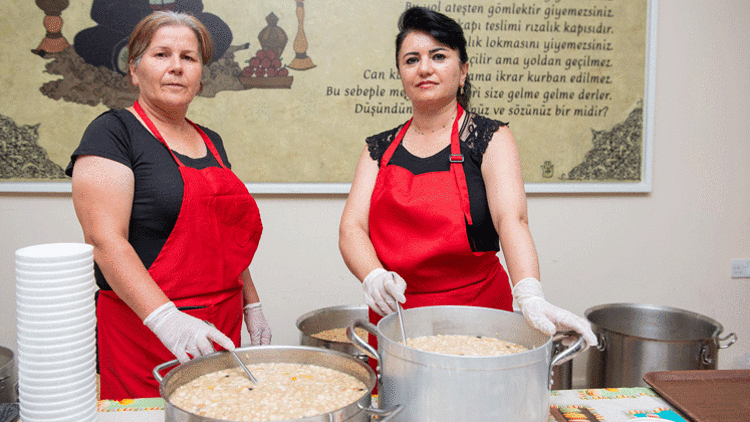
(636,339)
(446,388)
(359,411)
(8,376)
(324,319)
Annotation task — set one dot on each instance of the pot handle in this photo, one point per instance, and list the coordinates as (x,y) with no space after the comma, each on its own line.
(569,353)
(706,358)
(163,366)
(733,336)
(601,339)
(388,413)
(357,340)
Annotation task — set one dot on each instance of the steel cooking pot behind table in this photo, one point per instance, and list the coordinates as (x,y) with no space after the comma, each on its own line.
(330,318)
(359,411)
(447,388)
(635,339)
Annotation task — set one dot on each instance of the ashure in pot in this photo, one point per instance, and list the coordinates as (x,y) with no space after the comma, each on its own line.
(335,317)
(449,388)
(358,411)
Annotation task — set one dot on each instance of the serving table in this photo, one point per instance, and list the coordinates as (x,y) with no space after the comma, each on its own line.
(594,405)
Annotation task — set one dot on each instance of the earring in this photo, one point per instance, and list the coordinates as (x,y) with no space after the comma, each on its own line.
(461,90)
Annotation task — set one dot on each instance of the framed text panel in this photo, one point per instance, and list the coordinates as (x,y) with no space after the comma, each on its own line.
(297,85)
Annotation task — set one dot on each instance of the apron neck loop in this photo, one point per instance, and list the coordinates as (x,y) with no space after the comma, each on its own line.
(152,127)
(456,160)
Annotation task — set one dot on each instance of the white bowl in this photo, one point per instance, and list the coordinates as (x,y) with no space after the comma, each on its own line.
(25,321)
(58,401)
(59,396)
(63,349)
(48,380)
(54,252)
(58,322)
(31,296)
(53,355)
(75,384)
(56,316)
(54,412)
(45,363)
(81,368)
(79,280)
(55,292)
(54,274)
(68,333)
(42,402)
(62,338)
(43,300)
(53,307)
(55,266)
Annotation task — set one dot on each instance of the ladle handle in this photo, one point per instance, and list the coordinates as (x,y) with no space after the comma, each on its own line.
(401,322)
(244,368)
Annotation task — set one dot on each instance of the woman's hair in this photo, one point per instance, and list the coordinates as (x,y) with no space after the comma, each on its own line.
(142,34)
(445,30)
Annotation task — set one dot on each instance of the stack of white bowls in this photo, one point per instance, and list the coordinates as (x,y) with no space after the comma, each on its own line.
(56,333)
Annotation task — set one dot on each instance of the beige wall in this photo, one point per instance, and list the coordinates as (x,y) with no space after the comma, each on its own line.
(671,247)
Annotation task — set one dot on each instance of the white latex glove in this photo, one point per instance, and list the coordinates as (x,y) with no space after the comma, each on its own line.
(382,290)
(184,335)
(546,317)
(257,326)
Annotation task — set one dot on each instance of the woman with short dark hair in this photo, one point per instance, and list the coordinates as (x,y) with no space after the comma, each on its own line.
(435,199)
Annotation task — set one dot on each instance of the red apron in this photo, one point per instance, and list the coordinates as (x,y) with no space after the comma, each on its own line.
(418,229)
(213,241)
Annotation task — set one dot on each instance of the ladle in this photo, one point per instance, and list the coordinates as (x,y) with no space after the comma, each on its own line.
(244,368)
(401,322)
(237,358)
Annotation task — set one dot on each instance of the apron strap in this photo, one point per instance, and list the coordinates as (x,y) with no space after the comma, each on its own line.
(457,167)
(392,147)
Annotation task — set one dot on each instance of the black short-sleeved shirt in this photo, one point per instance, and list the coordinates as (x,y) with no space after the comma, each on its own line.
(475,135)
(118,135)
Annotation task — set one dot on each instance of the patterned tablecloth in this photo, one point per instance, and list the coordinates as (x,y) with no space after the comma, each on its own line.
(610,405)
(594,405)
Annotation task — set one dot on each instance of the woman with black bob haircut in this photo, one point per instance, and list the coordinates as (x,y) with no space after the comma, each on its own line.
(435,199)
(445,31)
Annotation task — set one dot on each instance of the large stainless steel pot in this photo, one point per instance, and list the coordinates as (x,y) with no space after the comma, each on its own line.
(445,388)
(359,411)
(330,318)
(8,376)
(636,339)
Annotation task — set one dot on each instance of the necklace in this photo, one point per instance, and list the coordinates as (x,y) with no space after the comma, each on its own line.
(434,130)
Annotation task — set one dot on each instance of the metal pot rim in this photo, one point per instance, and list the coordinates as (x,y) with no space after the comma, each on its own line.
(319,311)
(536,351)
(641,306)
(322,319)
(364,400)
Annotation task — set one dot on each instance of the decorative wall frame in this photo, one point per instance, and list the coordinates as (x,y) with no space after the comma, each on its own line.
(298,85)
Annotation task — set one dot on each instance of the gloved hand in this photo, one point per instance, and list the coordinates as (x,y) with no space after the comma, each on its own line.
(183,334)
(382,290)
(257,326)
(546,317)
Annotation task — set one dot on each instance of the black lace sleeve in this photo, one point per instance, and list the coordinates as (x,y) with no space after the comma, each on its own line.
(479,134)
(377,144)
